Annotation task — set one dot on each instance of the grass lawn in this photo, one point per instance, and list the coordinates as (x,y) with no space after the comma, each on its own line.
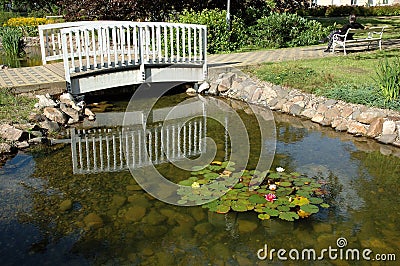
(350,78)
(15,109)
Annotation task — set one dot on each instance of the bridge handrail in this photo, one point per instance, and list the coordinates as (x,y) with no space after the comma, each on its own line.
(111,44)
(50,39)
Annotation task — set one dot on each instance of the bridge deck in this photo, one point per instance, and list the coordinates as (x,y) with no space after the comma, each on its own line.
(33,78)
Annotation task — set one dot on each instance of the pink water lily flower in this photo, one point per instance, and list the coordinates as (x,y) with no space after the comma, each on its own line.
(270,197)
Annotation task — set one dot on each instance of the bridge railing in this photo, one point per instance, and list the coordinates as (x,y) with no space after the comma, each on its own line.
(50,39)
(125,44)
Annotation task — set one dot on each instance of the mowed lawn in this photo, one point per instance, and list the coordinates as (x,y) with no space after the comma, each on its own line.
(352,78)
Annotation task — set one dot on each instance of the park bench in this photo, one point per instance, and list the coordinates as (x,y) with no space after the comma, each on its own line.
(357,36)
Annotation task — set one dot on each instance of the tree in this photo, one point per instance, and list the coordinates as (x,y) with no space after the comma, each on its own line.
(43,6)
(155,10)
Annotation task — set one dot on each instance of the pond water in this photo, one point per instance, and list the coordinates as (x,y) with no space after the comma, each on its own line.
(110,220)
(31,58)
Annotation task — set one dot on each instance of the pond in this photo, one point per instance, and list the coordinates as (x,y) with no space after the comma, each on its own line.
(77,203)
(32,58)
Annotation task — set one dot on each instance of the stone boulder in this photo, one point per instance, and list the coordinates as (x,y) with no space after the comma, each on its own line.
(375,128)
(72,113)
(55,115)
(5,148)
(370,115)
(12,133)
(67,98)
(45,101)
(389,127)
(225,81)
(50,126)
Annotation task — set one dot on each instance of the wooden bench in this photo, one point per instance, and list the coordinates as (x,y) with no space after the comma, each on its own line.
(355,36)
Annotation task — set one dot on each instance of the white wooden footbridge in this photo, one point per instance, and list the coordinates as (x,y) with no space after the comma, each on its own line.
(98,55)
(88,56)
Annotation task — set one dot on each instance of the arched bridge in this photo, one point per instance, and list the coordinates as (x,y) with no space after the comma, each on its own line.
(104,54)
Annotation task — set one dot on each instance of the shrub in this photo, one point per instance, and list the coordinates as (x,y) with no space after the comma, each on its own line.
(286,30)
(388,78)
(28,25)
(5,16)
(340,11)
(12,41)
(386,10)
(218,37)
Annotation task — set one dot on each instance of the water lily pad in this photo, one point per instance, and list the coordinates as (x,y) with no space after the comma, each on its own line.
(264,216)
(250,207)
(283,208)
(239,207)
(239,185)
(259,209)
(223,209)
(211,175)
(324,205)
(257,199)
(263,191)
(185,182)
(309,208)
(216,163)
(215,167)
(304,193)
(193,178)
(288,216)
(202,181)
(271,212)
(182,201)
(285,184)
(274,176)
(283,192)
(315,200)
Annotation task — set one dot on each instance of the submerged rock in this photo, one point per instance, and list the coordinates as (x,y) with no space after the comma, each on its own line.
(245,226)
(66,205)
(93,221)
(135,213)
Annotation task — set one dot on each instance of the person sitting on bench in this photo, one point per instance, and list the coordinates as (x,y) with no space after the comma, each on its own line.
(351,25)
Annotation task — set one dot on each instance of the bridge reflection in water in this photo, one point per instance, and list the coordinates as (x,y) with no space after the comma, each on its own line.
(164,135)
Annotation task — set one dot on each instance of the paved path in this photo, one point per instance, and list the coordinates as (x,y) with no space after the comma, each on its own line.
(51,76)
(285,54)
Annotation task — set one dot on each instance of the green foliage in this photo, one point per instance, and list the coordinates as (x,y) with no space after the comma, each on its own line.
(12,41)
(286,30)
(5,16)
(219,39)
(366,95)
(345,10)
(288,196)
(388,78)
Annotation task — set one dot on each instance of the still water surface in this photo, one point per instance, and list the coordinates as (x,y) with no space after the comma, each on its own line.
(31,58)
(136,229)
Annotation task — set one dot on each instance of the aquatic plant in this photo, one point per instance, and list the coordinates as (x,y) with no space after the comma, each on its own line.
(12,41)
(288,196)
